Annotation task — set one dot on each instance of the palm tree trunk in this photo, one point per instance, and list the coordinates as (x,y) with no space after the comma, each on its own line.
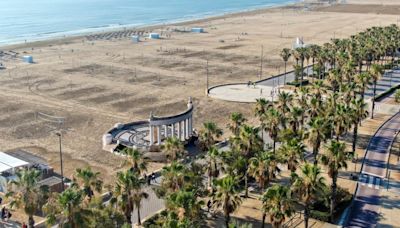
(274,145)
(284,76)
(306,215)
(246,193)
(333,197)
(31,222)
(227,220)
(138,215)
(355,135)
(373,101)
(263,220)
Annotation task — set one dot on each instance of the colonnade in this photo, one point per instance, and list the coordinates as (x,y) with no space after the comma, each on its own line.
(179,126)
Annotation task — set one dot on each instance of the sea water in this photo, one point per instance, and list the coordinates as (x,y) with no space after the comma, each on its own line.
(30,20)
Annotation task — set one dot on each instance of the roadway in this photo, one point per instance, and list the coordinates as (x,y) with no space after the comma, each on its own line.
(365,209)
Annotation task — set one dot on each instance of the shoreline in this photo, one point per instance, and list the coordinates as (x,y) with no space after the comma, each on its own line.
(73,37)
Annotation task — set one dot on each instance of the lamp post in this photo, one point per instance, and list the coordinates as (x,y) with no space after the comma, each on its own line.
(59,134)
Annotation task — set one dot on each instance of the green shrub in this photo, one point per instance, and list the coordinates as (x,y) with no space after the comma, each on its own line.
(298,83)
(320,215)
(397,96)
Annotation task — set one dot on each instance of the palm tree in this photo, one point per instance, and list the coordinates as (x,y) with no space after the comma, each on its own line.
(285,54)
(263,167)
(335,158)
(300,54)
(212,165)
(236,120)
(358,113)
(26,193)
(185,205)
(278,203)
(376,73)
(209,134)
(90,180)
(363,80)
(174,177)
(247,142)
(308,186)
(316,135)
(128,193)
(285,102)
(341,119)
(227,196)
(70,202)
(173,148)
(135,160)
(293,151)
(262,106)
(271,121)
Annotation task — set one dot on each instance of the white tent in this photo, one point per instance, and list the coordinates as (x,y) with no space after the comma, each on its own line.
(8,162)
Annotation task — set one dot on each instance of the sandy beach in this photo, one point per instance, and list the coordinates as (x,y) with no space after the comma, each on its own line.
(97,80)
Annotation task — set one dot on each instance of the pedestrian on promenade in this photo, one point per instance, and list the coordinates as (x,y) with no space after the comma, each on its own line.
(24,225)
(209,204)
(3,213)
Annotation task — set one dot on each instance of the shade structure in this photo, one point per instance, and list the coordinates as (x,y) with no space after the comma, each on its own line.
(28,59)
(154,35)
(135,38)
(197,30)
(8,162)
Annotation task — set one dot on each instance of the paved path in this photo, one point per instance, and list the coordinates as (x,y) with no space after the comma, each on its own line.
(364,212)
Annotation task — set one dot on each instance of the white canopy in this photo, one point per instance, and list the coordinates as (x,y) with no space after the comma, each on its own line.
(8,162)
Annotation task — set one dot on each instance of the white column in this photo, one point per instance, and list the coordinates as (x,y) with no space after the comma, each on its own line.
(151,135)
(190,127)
(166,131)
(159,135)
(184,129)
(173,130)
(179,130)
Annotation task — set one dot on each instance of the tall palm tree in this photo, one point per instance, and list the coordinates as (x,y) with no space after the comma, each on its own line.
(308,186)
(227,196)
(285,54)
(341,119)
(292,151)
(174,176)
(363,80)
(173,148)
(300,54)
(335,158)
(24,193)
(278,203)
(248,142)
(376,73)
(128,193)
(90,181)
(209,134)
(316,135)
(263,167)
(135,160)
(236,120)
(272,121)
(185,205)
(358,113)
(285,102)
(213,155)
(70,202)
(261,107)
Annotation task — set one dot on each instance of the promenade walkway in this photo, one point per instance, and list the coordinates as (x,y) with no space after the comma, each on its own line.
(365,209)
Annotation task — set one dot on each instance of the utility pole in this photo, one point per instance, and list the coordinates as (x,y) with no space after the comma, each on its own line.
(207,78)
(261,61)
(59,134)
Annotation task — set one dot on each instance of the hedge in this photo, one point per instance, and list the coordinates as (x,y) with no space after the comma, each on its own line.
(387,92)
(298,83)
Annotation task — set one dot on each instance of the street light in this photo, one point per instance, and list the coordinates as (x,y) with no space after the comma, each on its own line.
(59,134)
